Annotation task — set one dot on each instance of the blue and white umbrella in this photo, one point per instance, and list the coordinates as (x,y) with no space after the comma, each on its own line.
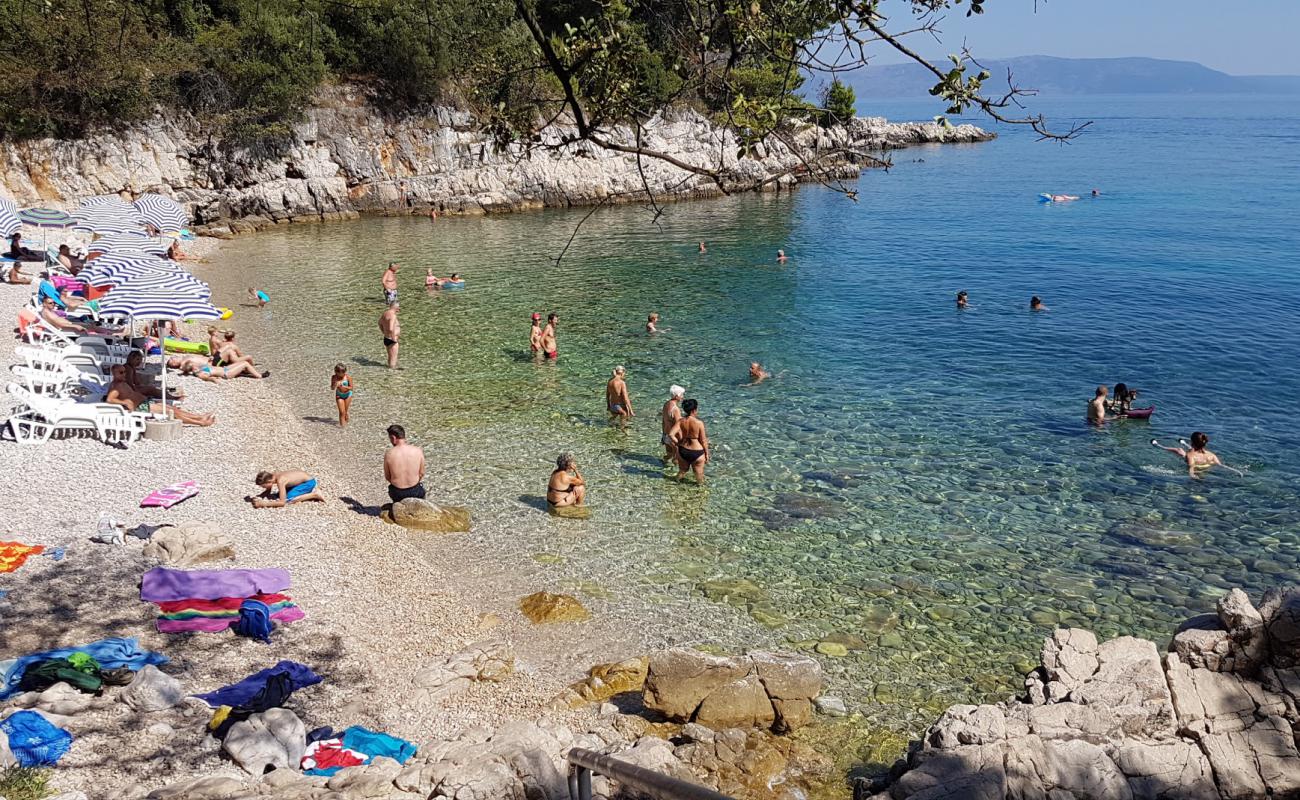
(163,213)
(9,221)
(178,283)
(104,201)
(115,267)
(128,243)
(144,305)
(48,218)
(107,215)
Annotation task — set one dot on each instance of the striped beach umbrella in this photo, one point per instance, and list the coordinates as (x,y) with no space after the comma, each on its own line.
(129,242)
(163,213)
(104,221)
(144,305)
(9,221)
(178,283)
(115,267)
(48,218)
(157,305)
(104,201)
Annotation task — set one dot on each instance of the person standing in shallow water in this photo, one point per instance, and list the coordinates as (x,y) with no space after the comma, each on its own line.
(389,282)
(535,335)
(617,399)
(1097,406)
(670,415)
(342,385)
(391,329)
(692,442)
(550,348)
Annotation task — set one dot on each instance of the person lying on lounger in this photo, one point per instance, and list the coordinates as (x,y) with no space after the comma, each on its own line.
(51,317)
(134,363)
(288,487)
(121,393)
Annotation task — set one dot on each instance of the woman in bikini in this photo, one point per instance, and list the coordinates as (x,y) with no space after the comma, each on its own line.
(566,486)
(692,442)
(1198,458)
(342,385)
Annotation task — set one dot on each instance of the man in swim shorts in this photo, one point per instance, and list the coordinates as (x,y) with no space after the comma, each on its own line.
(669,416)
(288,487)
(389,282)
(403,466)
(391,329)
(121,393)
(550,348)
(616,397)
(535,334)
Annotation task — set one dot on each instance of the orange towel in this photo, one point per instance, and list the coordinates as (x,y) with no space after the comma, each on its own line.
(14,554)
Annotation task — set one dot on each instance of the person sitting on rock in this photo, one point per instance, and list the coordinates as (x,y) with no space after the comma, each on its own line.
(288,487)
(403,467)
(566,486)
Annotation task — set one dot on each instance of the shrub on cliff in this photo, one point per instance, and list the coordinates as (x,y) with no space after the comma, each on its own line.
(839,104)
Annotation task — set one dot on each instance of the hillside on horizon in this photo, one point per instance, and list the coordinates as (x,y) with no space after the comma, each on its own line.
(1051,75)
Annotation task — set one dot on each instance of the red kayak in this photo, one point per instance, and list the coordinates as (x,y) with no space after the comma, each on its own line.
(1140,413)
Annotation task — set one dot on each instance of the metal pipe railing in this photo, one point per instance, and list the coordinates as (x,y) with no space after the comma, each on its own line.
(649,783)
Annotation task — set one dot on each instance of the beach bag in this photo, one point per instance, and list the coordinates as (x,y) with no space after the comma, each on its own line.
(255,621)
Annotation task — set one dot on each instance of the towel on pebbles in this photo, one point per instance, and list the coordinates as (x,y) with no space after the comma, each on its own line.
(161,584)
(188,544)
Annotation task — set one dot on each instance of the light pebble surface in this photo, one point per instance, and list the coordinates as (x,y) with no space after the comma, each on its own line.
(377,611)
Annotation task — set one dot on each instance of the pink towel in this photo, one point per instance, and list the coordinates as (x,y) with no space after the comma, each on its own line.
(209,625)
(169,496)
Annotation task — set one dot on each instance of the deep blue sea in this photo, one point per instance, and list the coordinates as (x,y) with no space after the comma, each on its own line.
(916,485)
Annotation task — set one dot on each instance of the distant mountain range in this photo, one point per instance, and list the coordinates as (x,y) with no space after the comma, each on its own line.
(1067,76)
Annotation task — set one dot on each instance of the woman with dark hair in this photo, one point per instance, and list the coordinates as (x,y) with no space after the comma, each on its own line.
(566,486)
(692,442)
(1197,456)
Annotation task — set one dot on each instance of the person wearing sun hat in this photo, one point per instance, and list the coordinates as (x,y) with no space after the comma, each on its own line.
(535,336)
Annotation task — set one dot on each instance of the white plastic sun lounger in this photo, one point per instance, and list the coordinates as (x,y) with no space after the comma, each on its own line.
(39,416)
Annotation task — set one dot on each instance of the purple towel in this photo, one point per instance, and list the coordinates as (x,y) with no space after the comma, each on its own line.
(160,584)
(211,625)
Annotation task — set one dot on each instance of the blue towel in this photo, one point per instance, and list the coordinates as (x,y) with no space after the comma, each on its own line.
(110,653)
(47,290)
(246,692)
(371,744)
(34,740)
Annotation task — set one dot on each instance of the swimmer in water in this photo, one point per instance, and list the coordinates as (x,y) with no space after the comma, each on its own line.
(1036,304)
(430,280)
(781,257)
(703,249)
(1064,198)
(1197,456)
(651,323)
(757,374)
(962,301)
(1096,193)
(1097,406)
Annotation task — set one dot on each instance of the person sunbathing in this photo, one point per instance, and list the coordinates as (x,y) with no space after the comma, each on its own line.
(15,274)
(51,317)
(121,393)
(288,487)
(204,370)
(228,353)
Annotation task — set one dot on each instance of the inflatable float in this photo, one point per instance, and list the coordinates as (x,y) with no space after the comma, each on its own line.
(453,284)
(183,346)
(1140,413)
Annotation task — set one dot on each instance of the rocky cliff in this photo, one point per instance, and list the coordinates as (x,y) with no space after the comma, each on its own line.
(348,158)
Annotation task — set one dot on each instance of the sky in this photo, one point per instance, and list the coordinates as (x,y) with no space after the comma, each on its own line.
(1240,37)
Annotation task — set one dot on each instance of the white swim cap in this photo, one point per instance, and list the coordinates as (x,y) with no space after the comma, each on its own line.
(676,391)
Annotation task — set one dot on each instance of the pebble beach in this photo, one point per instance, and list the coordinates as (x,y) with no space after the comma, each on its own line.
(377,609)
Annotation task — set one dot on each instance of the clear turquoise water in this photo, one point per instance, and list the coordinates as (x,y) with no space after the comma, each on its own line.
(915,477)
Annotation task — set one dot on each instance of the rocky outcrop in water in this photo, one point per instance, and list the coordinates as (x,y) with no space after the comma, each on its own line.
(348,157)
(1215,718)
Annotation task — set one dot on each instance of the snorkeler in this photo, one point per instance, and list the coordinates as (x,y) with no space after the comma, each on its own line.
(1196,455)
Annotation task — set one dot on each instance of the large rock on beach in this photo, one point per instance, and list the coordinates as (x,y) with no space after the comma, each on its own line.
(274,739)
(761,689)
(604,681)
(152,690)
(1216,718)
(486,661)
(422,515)
(544,607)
(189,543)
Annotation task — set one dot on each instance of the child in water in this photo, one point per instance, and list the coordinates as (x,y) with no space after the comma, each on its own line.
(342,385)
(258,296)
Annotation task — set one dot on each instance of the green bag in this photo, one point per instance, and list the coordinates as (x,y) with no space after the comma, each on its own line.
(43,674)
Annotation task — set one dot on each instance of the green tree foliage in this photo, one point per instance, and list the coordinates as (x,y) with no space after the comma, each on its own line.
(838,102)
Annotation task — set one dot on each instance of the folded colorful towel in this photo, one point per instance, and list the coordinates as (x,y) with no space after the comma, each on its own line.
(160,584)
(218,624)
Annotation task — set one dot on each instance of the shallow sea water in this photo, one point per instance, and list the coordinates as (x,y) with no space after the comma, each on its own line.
(916,483)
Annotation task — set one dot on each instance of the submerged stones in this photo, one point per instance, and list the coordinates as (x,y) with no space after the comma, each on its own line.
(544,607)
(604,681)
